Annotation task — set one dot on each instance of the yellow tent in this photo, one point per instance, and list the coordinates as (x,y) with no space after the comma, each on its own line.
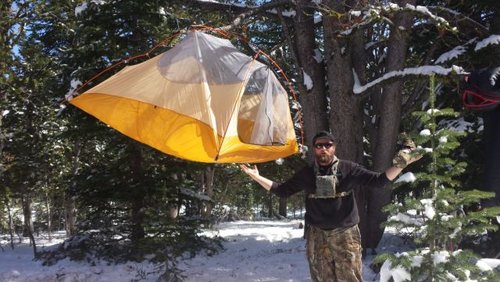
(202,100)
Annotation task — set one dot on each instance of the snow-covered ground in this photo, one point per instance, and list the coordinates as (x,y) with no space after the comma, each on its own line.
(254,251)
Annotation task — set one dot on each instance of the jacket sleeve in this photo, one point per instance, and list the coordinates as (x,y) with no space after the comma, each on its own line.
(295,184)
(367,178)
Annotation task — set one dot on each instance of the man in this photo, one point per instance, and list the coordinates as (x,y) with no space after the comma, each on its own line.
(333,239)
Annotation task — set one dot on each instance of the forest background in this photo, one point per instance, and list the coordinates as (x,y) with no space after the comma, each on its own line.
(360,68)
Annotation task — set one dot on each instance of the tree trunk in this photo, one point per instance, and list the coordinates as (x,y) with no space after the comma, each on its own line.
(70,215)
(28,230)
(2,144)
(137,205)
(11,221)
(346,114)
(491,133)
(270,205)
(282,206)
(49,216)
(137,219)
(491,141)
(388,129)
(208,189)
(69,200)
(313,101)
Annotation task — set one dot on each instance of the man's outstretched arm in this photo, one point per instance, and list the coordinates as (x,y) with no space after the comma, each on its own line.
(254,174)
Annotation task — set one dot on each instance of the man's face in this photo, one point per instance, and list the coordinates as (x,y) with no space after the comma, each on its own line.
(324,150)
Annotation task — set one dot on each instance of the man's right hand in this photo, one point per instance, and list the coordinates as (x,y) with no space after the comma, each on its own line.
(254,174)
(249,170)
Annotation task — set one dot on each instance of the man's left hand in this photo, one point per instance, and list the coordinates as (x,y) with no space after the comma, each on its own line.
(407,155)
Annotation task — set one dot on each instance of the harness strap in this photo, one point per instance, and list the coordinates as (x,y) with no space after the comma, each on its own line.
(338,195)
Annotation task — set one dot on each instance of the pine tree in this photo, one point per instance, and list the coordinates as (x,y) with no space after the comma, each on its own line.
(442,214)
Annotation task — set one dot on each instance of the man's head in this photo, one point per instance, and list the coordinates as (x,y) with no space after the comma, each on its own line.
(324,145)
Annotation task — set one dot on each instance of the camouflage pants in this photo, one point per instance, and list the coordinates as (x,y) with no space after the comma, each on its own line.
(334,255)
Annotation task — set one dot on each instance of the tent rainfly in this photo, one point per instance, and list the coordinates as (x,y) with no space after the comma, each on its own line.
(202,100)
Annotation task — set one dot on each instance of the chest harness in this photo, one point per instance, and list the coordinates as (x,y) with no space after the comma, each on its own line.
(327,183)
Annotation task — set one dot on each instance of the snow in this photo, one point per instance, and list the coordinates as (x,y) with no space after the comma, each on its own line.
(289,13)
(397,274)
(195,194)
(492,39)
(74,84)
(82,7)
(433,111)
(416,261)
(440,257)
(404,218)
(253,251)
(461,49)
(285,13)
(355,13)
(425,132)
(422,70)
(318,17)
(487,264)
(308,83)
(454,53)
(459,125)
(407,177)
(429,210)
(318,56)
(425,11)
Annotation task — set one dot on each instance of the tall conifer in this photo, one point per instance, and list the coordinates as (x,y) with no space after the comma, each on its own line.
(442,213)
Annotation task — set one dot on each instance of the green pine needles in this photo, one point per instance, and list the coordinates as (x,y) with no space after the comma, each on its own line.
(439,213)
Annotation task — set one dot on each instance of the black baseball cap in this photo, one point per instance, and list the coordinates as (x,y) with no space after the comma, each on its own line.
(324,135)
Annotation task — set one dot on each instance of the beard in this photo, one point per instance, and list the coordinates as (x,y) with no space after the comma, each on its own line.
(324,159)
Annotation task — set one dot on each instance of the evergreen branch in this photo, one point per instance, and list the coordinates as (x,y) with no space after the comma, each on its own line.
(383,13)
(265,8)
(481,28)
(416,71)
(245,12)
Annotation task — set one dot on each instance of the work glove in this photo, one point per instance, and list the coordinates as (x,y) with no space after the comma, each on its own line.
(405,155)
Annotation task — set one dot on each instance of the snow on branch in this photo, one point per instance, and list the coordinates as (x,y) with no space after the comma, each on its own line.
(454,53)
(493,39)
(385,12)
(423,10)
(461,17)
(417,71)
(251,11)
(459,50)
(196,195)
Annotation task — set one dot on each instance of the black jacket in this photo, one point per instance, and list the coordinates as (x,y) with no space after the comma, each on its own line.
(337,212)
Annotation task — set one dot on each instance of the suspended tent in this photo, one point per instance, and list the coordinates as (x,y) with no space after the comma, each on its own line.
(202,100)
